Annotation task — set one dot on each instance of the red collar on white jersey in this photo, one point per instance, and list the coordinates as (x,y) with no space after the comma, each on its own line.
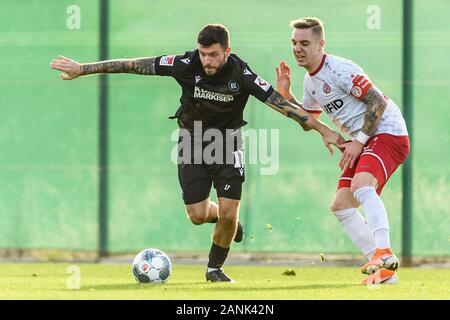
(312,74)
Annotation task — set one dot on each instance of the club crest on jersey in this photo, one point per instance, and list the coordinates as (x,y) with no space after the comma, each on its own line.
(262,83)
(167,60)
(233,86)
(197,79)
(326,88)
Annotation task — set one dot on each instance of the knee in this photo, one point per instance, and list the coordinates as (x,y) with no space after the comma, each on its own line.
(361,180)
(338,205)
(343,200)
(356,186)
(196,220)
(196,217)
(228,218)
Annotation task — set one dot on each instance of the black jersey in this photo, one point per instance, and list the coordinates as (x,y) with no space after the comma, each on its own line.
(219,100)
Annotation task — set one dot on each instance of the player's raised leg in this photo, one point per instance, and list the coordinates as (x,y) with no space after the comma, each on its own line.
(207,211)
(202,212)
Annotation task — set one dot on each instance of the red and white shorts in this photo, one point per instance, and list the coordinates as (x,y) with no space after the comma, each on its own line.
(381,156)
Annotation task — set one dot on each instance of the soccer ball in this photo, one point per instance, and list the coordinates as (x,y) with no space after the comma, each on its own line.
(151,266)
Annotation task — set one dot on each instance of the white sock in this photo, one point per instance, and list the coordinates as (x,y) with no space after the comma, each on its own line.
(376,215)
(357,230)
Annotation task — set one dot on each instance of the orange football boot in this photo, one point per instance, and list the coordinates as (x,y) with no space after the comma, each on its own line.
(381,276)
(382,258)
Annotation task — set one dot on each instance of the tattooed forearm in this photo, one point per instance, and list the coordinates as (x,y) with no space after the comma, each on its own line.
(280,104)
(294,101)
(300,119)
(277,102)
(144,66)
(375,107)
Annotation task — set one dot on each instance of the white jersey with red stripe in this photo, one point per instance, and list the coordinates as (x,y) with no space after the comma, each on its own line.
(337,88)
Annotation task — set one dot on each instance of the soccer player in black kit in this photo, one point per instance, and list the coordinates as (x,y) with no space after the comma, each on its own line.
(215,88)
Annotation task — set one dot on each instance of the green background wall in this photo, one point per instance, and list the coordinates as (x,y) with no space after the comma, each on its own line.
(49,127)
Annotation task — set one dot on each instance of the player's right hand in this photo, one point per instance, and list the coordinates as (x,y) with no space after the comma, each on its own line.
(70,68)
(284,80)
(331,137)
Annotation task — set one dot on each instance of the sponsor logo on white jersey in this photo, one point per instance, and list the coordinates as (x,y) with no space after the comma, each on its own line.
(333,106)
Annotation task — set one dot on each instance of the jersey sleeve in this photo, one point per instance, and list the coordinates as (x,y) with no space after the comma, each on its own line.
(171,65)
(352,79)
(309,104)
(164,65)
(256,86)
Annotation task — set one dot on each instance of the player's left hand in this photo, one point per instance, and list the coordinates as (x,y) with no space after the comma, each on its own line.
(352,151)
(284,80)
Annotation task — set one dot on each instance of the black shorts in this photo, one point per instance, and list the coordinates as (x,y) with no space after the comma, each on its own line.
(202,164)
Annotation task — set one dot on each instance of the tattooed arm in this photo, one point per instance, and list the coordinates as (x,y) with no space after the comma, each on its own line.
(73,69)
(277,102)
(144,66)
(294,100)
(375,106)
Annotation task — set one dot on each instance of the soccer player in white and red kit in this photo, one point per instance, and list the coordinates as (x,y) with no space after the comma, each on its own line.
(379,141)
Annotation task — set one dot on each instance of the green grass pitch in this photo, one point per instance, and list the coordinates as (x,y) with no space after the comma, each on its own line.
(115,281)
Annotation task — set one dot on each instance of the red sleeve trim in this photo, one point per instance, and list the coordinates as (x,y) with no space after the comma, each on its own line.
(313,111)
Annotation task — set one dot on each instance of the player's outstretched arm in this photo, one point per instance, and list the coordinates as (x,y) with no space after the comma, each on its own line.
(277,102)
(72,69)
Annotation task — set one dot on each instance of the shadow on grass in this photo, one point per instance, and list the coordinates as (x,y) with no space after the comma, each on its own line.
(204,286)
(143,286)
(230,287)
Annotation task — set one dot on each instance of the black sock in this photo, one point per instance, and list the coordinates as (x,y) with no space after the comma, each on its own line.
(214,220)
(217,256)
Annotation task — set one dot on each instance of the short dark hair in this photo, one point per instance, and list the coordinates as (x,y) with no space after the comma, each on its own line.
(312,23)
(214,33)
